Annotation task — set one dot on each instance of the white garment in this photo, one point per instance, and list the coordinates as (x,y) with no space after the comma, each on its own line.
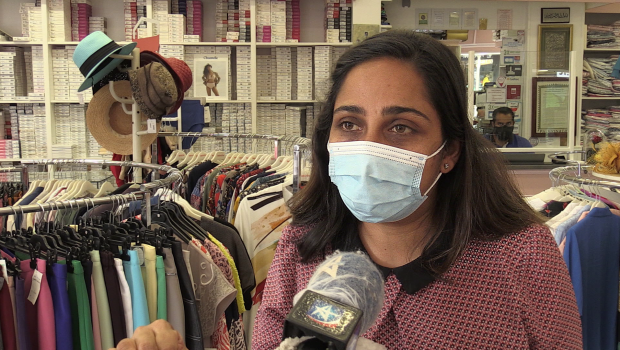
(126,296)
(189,268)
(536,203)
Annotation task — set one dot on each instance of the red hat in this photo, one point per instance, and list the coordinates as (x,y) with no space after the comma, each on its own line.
(180,71)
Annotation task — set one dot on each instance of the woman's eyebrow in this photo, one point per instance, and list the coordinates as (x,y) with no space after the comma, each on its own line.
(392,110)
(351,109)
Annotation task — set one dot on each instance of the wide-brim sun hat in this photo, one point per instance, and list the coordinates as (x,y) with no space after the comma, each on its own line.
(180,71)
(153,89)
(92,56)
(110,125)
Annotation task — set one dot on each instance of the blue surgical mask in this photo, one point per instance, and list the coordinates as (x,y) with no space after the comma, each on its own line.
(378,183)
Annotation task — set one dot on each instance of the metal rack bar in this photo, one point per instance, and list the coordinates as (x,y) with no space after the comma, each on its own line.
(173,176)
(561,174)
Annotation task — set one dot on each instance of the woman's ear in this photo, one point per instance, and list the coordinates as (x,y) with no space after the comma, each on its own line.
(450,156)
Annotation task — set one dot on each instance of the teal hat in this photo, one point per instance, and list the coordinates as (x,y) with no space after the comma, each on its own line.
(92,56)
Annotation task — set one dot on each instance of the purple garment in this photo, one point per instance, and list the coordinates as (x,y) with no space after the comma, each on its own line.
(57,280)
(20,309)
(604,200)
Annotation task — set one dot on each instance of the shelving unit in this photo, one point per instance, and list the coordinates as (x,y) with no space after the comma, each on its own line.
(312,34)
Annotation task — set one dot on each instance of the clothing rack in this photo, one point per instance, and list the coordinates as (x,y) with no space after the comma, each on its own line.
(301,144)
(576,172)
(18,169)
(174,175)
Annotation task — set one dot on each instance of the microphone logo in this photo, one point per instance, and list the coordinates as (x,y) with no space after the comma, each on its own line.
(325,314)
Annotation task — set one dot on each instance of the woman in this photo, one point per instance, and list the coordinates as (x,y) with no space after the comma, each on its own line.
(400,173)
(210,79)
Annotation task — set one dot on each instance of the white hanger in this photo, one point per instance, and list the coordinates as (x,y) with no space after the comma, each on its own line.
(105,189)
(179,155)
(188,157)
(166,194)
(218,157)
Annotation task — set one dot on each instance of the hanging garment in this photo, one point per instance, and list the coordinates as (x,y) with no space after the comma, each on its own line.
(193,329)
(7,327)
(81,321)
(162,309)
(592,253)
(88,273)
(174,300)
(115,299)
(103,307)
(20,307)
(149,275)
(57,279)
(40,315)
(136,286)
(11,283)
(213,293)
(95,319)
(126,295)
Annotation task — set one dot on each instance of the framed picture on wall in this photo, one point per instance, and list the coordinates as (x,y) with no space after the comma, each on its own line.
(550,107)
(211,76)
(554,45)
(555,15)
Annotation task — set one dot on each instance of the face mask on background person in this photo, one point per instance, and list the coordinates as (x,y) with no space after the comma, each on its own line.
(503,133)
(378,183)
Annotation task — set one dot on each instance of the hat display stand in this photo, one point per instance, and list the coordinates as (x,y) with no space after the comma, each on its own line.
(135,110)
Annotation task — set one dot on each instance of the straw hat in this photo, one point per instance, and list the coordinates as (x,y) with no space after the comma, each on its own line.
(110,125)
(180,71)
(154,90)
(92,56)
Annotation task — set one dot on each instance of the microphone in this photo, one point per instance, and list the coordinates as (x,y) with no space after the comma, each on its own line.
(342,301)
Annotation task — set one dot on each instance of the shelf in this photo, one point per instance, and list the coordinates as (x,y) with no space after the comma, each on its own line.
(287,101)
(20,43)
(61,43)
(69,101)
(386,26)
(301,44)
(617,49)
(600,98)
(218,43)
(22,101)
(228,101)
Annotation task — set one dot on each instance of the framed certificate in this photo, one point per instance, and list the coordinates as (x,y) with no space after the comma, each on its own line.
(550,107)
(554,45)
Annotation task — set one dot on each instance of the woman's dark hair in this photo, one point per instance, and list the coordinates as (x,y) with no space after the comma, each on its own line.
(205,71)
(476,200)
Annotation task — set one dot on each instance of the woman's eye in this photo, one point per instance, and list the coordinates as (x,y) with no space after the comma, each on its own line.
(401,129)
(349,126)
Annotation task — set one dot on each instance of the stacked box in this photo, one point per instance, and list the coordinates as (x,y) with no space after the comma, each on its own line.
(176,28)
(97,24)
(9,149)
(12,129)
(322,64)
(221,20)
(161,9)
(81,11)
(284,76)
(59,21)
(71,127)
(76,79)
(34,23)
(244,76)
(194,18)
(245,18)
(332,21)
(293,73)
(24,10)
(12,73)
(60,74)
(175,51)
(278,119)
(311,111)
(174,6)
(131,17)
(346,21)
(265,64)
(337,51)
(232,31)
(293,21)
(141,12)
(32,132)
(38,74)
(304,73)
(295,120)
(263,21)
(278,21)
(28,70)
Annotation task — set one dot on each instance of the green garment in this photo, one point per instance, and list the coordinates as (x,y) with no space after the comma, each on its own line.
(103,306)
(81,324)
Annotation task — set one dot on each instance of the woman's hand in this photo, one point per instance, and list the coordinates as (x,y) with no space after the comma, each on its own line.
(159,335)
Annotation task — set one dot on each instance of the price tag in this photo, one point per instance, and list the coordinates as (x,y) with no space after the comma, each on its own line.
(3,268)
(151,126)
(140,251)
(80,98)
(35,288)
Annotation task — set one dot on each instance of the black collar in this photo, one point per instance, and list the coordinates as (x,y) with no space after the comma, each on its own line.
(412,276)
